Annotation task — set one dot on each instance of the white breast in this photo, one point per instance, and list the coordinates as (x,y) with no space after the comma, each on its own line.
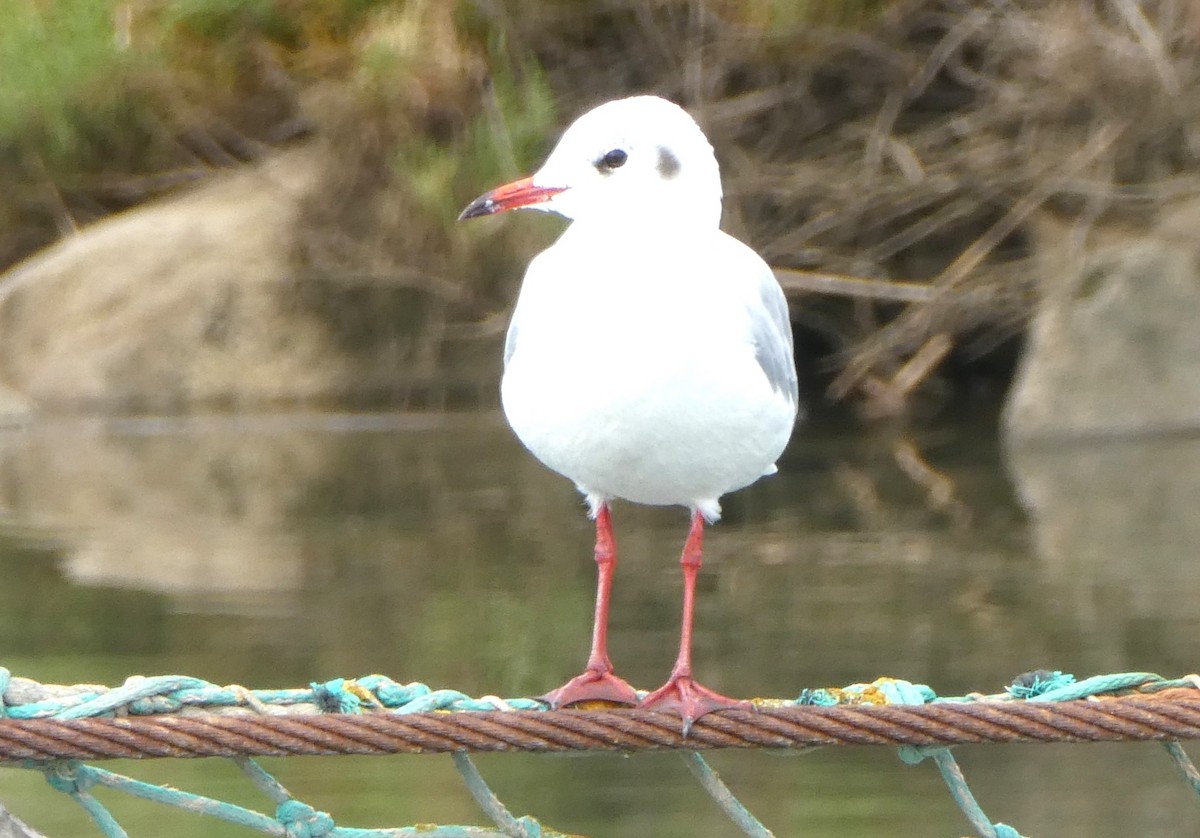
(633,370)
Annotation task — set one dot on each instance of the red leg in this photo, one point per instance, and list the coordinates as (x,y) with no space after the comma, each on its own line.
(681,693)
(597,681)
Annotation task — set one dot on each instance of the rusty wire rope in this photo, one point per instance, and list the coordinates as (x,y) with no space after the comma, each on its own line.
(54,729)
(1165,715)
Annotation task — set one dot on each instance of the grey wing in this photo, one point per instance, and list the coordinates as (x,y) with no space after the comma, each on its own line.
(772,335)
(532,277)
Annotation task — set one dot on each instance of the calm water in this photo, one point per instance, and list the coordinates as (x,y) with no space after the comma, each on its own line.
(278,552)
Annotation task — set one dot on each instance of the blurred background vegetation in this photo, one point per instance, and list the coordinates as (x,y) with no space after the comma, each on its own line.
(911,141)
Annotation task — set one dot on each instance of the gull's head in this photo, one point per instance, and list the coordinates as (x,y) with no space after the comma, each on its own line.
(625,162)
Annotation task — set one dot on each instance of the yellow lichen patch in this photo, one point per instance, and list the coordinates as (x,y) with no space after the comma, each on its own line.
(870,694)
(362,693)
(771,703)
(599,704)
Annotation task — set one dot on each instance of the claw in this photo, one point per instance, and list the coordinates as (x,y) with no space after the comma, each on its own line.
(690,700)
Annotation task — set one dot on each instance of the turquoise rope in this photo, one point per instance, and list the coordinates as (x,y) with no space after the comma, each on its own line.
(188,801)
(295,819)
(1038,683)
(959,790)
(718,791)
(1184,763)
(899,691)
(99,815)
(267,784)
(1097,685)
(525,827)
(142,696)
(68,777)
(904,692)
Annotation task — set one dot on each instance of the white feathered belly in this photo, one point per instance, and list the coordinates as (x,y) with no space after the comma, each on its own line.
(658,426)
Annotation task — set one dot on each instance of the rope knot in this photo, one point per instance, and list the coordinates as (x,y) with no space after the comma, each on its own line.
(1038,682)
(530,828)
(337,696)
(303,821)
(69,777)
(390,694)
(916,754)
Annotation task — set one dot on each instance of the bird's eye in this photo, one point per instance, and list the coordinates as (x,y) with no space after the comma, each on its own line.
(614,159)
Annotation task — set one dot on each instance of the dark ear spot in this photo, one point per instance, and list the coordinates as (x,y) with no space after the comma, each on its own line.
(668,163)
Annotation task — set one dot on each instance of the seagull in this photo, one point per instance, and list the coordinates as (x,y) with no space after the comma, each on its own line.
(649,357)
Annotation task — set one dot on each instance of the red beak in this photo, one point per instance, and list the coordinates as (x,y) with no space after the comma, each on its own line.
(519,193)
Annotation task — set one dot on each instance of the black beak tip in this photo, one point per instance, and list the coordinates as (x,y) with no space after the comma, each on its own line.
(482,205)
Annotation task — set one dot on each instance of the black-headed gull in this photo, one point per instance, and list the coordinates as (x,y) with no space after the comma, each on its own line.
(650,355)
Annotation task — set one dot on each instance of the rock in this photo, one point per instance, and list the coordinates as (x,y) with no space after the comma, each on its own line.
(195,302)
(1114,347)
(172,304)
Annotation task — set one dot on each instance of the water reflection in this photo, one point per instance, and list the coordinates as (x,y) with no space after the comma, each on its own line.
(1115,525)
(279,552)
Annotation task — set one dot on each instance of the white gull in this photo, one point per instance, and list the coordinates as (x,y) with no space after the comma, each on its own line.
(649,357)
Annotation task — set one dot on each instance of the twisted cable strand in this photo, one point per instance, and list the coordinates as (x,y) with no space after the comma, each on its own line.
(51,728)
(1166,715)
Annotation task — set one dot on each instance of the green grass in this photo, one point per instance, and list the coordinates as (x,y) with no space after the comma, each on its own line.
(500,144)
(53,57)
(78,108)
